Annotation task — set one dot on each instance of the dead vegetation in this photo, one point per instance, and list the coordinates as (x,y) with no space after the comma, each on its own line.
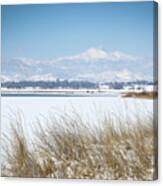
(68,147)
(143,95)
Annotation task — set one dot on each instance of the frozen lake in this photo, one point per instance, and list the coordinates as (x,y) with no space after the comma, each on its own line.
(90,109)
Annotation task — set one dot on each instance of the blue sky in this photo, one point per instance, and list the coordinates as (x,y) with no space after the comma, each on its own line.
(49,40)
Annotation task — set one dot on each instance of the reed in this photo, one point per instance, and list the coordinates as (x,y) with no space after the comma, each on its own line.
(67,147)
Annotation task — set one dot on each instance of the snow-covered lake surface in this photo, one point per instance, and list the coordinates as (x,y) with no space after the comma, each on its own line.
(91,109)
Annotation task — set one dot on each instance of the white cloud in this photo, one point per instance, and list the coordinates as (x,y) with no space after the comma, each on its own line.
(95,54)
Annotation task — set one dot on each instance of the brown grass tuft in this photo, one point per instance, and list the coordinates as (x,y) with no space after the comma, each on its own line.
(69,148)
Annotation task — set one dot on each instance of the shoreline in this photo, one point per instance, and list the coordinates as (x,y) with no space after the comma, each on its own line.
(141,95)
(81,93)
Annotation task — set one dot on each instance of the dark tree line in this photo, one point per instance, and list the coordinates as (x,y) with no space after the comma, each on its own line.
(71,84)
(50,84)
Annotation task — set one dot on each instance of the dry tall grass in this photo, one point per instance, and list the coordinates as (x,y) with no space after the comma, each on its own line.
(68,148)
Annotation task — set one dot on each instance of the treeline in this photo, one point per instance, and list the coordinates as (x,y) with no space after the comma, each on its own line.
(71,84)
(121,85)
(50,84)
